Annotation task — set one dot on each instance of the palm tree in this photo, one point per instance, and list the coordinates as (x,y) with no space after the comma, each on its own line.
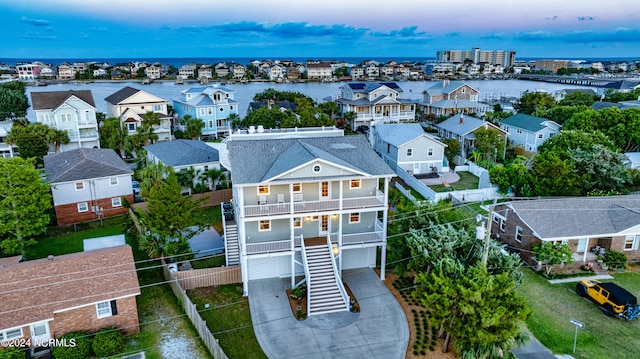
(213,175)
(57,138)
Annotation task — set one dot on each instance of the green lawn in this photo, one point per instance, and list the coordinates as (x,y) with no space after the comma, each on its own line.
(211,262)
(467,181)
(603,337)
(230,324)
(64,240)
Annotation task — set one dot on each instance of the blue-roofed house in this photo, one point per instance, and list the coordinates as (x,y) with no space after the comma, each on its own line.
(307,207)
(212,105)
(184,154)
(375,102)
(450,97)
(461,128)
(406,147)
(529,131)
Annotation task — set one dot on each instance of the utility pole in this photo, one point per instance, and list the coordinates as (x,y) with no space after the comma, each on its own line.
(487,237)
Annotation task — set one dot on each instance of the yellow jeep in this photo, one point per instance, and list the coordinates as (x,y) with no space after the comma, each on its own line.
(613,299)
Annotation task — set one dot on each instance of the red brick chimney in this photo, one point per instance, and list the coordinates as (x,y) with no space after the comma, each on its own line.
(461,118)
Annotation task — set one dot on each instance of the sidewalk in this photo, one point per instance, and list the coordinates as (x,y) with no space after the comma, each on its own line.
(578,279)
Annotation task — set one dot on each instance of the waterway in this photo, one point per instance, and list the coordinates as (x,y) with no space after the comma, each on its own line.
(243,93)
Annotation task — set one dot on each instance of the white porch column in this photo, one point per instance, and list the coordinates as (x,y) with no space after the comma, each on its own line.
(385,215)
(340,215)
(586,249)
(292,238)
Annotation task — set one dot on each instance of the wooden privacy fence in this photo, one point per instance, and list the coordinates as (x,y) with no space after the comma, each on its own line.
(208,277)
(214,198)
(192,312)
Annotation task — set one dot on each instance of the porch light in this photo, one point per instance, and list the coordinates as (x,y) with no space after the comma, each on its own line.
(335,250)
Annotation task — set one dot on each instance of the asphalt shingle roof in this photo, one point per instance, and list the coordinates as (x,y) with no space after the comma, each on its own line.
(397,134)
(525,122)
(49,100)
(84,163)
(259,160)
(442,88)
(580,216)
(183,152)
(64,282)
(121,95)
(468,125)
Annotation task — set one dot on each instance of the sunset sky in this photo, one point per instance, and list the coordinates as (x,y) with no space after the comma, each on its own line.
(35,29)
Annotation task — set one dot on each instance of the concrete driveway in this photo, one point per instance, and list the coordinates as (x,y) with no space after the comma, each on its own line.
(380,330)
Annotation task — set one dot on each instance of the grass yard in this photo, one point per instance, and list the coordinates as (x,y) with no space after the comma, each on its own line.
(210,216)
(554,304)
(467,181)
(229,323)
(211,262)
(64,240)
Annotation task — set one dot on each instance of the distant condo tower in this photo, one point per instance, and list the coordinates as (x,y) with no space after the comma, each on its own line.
(506,58)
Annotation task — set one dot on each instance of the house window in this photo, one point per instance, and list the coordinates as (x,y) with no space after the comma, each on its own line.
(297,222)
(221,109)
(11,334)
(354,218)
(82,207)
(430,151)
(131,126)
(518,131)
(502,224)
(519,234)
(113,181)
(116,202)
(158,108)
(106,309)
(210,123)
(388,148)
(631,243)
(355,183)
(202,111)
(297,187)
(264,190)
(79,186)
(541,135)
(231,107)
(210,110)
(409,152)
(65,117)
(317,169)
(265,225)
(324,224)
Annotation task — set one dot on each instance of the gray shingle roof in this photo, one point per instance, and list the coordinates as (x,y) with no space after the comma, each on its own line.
(84,163)
(579,216)
(183,152)
(49,100)
(259,160)
(397,134)
(525,122)
(121,95)
(442,88)
(468,125)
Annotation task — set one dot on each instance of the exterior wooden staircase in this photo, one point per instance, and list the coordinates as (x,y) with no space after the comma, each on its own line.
(326,293)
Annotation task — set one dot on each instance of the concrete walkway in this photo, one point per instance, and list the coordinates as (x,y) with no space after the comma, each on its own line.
(380,330)
(578,279)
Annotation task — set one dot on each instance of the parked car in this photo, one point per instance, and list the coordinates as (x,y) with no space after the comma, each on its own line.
(136,187)
(613,299)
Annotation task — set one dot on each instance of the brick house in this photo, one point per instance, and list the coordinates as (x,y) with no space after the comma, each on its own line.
(86,291)
(612,223)
(87,184)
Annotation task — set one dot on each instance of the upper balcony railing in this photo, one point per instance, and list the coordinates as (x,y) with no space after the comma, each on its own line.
(303,207)
(272,246)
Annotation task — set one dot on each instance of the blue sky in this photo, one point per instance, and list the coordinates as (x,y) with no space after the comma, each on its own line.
(327,28)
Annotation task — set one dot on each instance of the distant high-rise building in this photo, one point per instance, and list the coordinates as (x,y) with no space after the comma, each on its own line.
(506,58)
(551,65)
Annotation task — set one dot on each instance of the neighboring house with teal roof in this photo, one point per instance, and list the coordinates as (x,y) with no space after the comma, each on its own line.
(529,131)
(406,147)
(212,105)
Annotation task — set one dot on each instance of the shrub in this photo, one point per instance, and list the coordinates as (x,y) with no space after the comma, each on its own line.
(13,353)
(108,342)
(615,259)
(81,350)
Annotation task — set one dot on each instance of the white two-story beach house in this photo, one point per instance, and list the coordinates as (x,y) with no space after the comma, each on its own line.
(307,207)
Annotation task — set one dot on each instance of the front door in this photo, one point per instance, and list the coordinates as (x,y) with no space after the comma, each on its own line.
(40,333)
(325,191)
(582,245)
(416,168)
(324,224)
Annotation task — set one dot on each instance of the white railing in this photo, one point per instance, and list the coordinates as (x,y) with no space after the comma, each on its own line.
(272,246)
(314,206)
(307,275)
(334,266)
(363,238)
